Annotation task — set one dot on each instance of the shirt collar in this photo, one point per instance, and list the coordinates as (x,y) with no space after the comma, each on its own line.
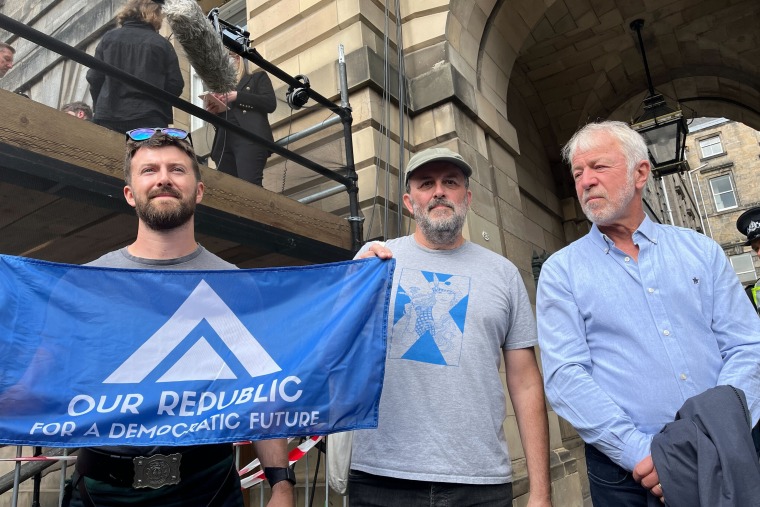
(599,239)
(647,229)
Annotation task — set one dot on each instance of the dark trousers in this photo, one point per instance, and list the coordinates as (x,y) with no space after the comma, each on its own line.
(216,486)
(240,157)
(367,490)
(612,485)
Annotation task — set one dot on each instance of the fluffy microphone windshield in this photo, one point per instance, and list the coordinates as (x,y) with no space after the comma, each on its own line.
(201,43)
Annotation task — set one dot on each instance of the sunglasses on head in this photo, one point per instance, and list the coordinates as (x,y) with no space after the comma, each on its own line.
(143,134)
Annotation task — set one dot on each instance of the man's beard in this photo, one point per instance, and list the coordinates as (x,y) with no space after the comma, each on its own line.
(162,218)
(441,230)
(615,207)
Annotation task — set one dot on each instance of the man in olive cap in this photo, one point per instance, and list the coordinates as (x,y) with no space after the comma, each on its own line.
(456,310)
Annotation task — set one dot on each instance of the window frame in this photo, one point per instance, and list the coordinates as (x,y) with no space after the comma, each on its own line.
(715,194)
(746,256)
(702,146)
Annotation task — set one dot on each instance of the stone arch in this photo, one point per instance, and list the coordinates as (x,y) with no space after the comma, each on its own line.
(583,62)
(574,61)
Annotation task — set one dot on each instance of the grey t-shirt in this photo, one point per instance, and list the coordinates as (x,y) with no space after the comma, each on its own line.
(442,410)
(202,260)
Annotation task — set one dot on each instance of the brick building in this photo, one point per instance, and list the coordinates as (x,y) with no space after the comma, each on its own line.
(725,160)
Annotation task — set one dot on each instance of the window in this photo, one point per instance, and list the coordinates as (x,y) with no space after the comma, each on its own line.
(744,267)
(723,192)
(196,89)
(711,147)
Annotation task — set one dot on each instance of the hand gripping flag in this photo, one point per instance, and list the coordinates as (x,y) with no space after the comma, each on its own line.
(95,356)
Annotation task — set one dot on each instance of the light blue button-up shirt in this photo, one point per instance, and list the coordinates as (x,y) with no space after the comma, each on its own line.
(625,343)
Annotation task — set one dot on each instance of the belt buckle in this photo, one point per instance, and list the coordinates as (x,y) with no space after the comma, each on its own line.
(157,470)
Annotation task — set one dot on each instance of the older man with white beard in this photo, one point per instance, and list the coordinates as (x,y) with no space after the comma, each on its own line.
(457,309)
(635,318)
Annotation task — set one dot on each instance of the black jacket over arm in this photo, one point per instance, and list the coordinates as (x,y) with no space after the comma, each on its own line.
(706,458)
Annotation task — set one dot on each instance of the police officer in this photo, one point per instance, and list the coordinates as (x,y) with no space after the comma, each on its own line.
(749,225)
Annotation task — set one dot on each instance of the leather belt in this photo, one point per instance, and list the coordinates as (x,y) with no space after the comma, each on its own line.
(153,471)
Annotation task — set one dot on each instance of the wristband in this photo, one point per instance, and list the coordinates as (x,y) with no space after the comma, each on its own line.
(278,474)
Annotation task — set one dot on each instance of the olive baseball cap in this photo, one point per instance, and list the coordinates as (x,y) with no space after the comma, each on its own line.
(436,155)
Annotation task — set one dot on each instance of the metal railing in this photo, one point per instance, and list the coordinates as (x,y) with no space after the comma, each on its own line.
(311,471)
(343,111)
(32,467)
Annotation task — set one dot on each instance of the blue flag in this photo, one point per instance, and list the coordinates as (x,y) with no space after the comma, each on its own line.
(95,356)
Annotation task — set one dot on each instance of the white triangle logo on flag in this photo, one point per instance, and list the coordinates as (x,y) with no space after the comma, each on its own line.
(201,361)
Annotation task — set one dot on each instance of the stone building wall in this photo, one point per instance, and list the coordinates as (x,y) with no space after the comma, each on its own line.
(739,161)
(456,82)
(42,74)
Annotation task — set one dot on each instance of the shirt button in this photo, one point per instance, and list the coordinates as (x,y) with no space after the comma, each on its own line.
(247,87)
(666,332)
(244,111)
(627,259)
(683,376)
(650,289)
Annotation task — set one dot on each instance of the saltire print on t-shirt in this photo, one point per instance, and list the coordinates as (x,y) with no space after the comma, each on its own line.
(429,315)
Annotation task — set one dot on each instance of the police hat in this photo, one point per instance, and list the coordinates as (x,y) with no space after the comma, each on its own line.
(749,224)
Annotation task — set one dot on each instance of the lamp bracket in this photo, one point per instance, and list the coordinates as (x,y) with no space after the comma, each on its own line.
(654,101)
(677,167)
(670,117)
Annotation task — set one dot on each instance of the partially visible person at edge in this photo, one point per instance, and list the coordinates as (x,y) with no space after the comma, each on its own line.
(137,48)
(635,318)
(163,184)
(247,106)
(7,52)
(748,224)
(457,310)
(79,109)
